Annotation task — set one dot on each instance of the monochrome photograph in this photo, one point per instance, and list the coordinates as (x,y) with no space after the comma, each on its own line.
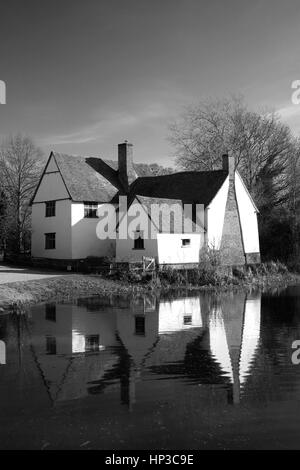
(149,228)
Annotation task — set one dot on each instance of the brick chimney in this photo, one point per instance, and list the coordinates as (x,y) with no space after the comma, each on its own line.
(229,165)
(127,172)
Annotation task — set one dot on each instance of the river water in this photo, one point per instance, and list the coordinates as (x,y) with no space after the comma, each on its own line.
(204,371)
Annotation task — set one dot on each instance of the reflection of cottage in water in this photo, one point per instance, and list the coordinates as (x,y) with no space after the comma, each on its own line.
(179,314)
(74,346)
(220,349)
(234,329)
(93,346)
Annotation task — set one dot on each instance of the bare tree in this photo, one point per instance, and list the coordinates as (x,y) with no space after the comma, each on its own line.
(293,183)
(260,143)
(20,169)
(266,153)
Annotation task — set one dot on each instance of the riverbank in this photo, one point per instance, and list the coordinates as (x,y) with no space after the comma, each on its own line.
(63,287)
(69,286)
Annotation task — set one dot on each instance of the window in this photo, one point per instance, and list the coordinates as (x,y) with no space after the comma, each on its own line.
(187,319)
(49,241)
(50,345)
(149,303)
(92,343)
(138,241)
(140,325)
(51,312)
(186,242)
(90,210)
(50,209)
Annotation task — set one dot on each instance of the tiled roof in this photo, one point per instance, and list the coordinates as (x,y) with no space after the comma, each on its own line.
(96,179)
(93,179)
(88,179)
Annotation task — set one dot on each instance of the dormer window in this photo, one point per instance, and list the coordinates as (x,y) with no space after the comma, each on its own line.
(90,210)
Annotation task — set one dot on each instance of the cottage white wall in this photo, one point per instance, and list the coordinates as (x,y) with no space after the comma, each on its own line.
(215,213)
(51,188)
(76,236)
(125,251)
(166,248)
(248,217)
(171,251)
(85,241)
(60,224)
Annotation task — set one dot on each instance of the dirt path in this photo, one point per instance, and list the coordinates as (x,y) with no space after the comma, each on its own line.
(9,274)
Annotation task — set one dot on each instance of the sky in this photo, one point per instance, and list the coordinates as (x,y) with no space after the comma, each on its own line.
(84,75)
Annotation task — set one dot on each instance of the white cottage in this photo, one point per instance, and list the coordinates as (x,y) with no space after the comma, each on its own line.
(73,191)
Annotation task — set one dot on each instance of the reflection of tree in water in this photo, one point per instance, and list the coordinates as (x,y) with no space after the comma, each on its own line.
(280,327)
(119,371)
(125,371)
(197,364)
(19,322)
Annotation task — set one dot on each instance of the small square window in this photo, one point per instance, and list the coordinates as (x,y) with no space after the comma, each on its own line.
(138,241)
(140,325)
(51,312)
(50,241)
(186,242)
(91,210)
(187,319)
(50,345)
(50,208)
(92,343)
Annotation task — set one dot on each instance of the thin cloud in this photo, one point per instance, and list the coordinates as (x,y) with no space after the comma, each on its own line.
(103,128)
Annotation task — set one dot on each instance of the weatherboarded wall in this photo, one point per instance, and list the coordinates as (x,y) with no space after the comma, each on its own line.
(60,224)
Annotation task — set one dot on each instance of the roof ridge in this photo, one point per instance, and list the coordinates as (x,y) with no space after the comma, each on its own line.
(190,172)
(75,155)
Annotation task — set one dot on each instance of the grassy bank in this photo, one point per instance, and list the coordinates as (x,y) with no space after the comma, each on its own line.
(59,288)
(203,278)
(215,276)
